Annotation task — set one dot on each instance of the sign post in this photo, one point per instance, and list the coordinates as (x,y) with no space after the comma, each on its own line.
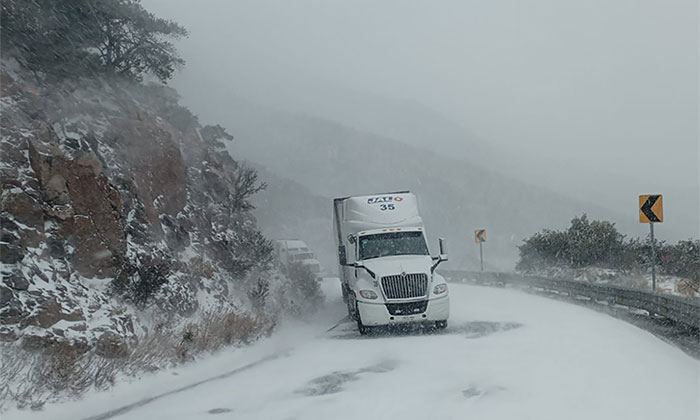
(480,238)
(651,210)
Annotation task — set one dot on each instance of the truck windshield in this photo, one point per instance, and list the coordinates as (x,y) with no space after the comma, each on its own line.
(387,244)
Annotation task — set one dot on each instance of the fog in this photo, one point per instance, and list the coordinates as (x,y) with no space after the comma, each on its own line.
(147,267)
(597,100)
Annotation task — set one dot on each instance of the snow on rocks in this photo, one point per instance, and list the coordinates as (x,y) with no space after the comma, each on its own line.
(109,231)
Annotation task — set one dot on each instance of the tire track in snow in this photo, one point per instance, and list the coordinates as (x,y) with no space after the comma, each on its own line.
(343,320)
(126,408)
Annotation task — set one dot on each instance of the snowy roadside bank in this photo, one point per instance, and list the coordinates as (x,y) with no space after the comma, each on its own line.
(505,354)
(203,367)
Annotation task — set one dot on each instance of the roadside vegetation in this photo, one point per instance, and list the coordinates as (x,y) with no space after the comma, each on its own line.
(594,243)
(29,379)
(72,39)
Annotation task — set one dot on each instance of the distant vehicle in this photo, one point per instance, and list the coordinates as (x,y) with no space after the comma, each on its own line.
(294,251)
(386,272)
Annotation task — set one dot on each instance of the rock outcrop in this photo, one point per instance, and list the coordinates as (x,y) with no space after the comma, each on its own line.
(115,212)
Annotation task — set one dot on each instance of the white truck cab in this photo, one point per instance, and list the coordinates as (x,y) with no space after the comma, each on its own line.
(387,275)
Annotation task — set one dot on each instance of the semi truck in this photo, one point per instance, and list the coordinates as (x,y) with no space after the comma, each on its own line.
(295,251)
(387,275)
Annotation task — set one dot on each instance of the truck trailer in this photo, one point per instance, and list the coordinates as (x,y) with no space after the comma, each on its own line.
(387,275)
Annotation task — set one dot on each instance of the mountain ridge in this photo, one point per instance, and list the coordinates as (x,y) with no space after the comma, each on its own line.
(330,159)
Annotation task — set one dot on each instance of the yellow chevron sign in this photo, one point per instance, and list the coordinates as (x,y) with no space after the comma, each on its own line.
(480,236)
(651,208)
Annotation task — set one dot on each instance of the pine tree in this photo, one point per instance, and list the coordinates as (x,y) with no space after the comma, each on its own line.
(60,38)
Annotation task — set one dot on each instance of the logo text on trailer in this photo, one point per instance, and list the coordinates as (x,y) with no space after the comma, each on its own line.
(382,199)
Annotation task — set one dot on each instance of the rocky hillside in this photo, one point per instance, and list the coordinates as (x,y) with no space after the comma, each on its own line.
(121,214)
(128,241)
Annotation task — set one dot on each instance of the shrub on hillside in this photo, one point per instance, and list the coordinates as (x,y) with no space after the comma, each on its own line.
(593,243)
(242,249)
(305,287)
(258,294)
(584,243)
(138,281)
(682,259)
(543,249)
(165,101)
(598,243)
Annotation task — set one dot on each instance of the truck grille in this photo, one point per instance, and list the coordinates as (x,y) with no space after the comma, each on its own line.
(410,308)
(405,286)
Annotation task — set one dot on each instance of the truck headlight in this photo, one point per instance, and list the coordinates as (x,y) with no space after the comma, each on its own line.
(368,294)
(440,288)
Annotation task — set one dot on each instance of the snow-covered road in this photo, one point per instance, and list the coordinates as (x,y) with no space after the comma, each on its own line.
(505,355)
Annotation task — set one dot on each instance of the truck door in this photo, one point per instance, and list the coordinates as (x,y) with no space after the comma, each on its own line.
(348,273)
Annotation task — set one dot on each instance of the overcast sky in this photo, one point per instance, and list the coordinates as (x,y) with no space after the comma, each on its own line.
(605,91)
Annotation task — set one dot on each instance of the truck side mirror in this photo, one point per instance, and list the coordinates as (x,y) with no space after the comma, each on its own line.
(442,256)
(443,249)
(342,258)
(360,264)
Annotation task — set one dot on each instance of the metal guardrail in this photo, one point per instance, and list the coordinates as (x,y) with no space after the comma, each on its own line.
(679,309)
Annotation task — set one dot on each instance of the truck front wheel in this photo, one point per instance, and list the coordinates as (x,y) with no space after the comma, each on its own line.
(364,329)
(441,325)
(344,289)
(351,304)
